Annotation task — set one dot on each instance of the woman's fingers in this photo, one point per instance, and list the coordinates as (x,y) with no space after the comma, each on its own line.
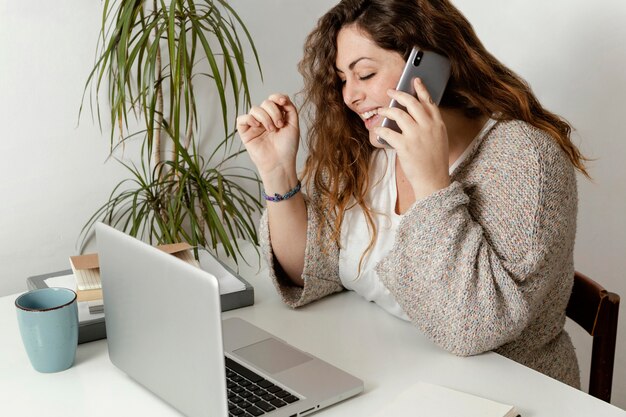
(426,100)
(288,109)
(280,99)
(402,119)
(393,138)
(423,109)
(275,112)
(245,123)
(420,120)
(262,116)
(412,105)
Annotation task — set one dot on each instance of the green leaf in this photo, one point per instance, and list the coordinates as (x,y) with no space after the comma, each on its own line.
(185,195)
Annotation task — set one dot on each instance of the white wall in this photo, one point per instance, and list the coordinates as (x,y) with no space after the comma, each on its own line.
(52,175)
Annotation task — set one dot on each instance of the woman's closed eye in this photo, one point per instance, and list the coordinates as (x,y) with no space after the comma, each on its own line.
(361,78)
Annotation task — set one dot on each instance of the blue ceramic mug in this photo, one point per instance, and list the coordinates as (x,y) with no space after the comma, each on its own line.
(48,322)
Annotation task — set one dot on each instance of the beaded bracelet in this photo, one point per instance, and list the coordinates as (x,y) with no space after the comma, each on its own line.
(277,197)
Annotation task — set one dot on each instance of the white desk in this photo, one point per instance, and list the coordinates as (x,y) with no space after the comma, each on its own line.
(387,353)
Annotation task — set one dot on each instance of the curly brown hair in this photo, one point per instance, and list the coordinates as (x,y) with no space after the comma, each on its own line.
(339,149)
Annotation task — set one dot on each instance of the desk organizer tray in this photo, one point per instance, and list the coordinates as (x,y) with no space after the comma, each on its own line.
(90,330)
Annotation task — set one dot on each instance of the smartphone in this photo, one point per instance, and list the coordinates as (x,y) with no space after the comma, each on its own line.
(432,68)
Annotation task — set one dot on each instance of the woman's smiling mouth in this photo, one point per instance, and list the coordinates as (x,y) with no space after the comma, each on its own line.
(370,117)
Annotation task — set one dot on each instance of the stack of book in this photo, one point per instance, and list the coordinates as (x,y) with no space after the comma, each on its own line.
(87,271)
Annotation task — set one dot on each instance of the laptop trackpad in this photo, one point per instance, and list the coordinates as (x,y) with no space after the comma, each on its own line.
(272,355)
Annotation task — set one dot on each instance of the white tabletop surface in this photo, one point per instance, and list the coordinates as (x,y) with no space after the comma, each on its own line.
(388,354)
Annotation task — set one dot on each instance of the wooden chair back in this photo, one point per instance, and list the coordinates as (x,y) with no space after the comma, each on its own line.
(596,310)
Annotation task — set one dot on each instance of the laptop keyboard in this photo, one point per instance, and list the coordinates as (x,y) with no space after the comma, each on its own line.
(249,394)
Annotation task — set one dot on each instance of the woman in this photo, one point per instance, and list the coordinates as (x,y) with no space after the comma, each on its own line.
(466,227)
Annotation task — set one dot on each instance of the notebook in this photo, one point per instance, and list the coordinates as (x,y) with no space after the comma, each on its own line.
(164,329)
(439,401)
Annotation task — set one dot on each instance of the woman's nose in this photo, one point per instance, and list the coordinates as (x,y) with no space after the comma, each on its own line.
(352,93)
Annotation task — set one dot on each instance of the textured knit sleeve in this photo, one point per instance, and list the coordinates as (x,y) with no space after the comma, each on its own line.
(321,260)
(472,265)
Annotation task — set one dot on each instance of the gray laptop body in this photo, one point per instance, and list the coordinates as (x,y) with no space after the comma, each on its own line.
(164,329)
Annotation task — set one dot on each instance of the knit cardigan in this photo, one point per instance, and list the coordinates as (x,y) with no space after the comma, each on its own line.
(484,264)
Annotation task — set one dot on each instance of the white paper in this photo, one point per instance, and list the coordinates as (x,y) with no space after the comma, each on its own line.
(437,401)
(68,281)
(227,281)
(65,281)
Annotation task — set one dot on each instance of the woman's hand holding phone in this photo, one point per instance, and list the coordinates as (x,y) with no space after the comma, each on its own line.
(422,144)
(270,132)
(434,71)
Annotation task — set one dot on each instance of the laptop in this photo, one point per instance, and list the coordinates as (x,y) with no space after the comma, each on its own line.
(164,329)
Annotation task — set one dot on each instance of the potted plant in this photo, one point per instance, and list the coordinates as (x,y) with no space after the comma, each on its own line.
(152,57)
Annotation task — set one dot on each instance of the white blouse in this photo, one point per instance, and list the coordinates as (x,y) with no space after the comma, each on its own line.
(355,234)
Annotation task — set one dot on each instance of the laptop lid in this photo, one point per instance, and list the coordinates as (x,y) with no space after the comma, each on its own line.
(150,302)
